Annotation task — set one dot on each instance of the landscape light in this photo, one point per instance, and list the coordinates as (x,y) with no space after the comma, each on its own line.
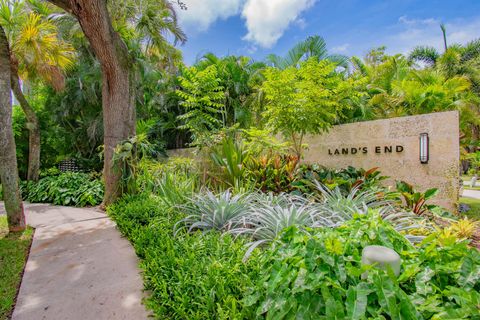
(424,148)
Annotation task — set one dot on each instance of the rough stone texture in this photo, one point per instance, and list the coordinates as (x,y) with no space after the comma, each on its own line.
(79,268)
(442,170)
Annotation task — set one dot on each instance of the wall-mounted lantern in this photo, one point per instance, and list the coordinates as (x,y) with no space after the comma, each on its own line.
(424,147)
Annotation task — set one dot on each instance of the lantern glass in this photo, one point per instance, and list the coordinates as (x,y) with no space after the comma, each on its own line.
(424,148)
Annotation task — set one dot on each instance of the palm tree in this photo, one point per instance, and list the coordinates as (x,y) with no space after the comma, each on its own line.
(425,54)
(313,46)
(103,25)
(36,53)
(458,61)
(397,90)
(145,25)
(8,158)
(240,77)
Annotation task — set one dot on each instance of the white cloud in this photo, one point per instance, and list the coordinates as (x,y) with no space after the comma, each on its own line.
(426,32)
(341,48)
(301,23)
(267,20)
(414,22)
(200,14)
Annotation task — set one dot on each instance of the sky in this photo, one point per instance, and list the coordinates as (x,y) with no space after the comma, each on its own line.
(257,28)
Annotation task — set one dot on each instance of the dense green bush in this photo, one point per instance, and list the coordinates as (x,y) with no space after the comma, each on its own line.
(320,276)
(69,189)
(345,179)
(189,276)
(312,273)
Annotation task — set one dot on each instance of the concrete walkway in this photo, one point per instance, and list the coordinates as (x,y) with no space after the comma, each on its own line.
(471,193)
(79,268)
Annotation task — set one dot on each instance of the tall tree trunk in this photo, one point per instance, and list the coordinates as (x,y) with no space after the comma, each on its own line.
(118,96)
(33,125)
(8,157)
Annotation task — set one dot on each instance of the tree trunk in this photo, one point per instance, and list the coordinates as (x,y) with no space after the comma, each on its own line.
(8,157)
(33,125)
(118,96)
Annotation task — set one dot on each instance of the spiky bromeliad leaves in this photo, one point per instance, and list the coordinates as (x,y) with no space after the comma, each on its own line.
(207,211)
(263,216)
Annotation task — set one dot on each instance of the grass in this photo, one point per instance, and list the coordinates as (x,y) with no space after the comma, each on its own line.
(13,252)
(474,204)
(470,188)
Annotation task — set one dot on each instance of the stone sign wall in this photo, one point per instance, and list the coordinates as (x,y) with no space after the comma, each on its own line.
(393,146)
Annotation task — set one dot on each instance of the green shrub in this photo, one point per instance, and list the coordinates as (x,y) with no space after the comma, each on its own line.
(272,172)
(320,276)
(190,276)
(345,179)
(69,189)
(172,180)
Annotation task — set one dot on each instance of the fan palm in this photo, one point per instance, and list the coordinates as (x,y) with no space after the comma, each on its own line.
(425,54)
(314,46)
(145,26)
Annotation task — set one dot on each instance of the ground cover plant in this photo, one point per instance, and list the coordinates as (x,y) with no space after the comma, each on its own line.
(239,253)
(13,252)
(68,189)
(319,276)
(189,276)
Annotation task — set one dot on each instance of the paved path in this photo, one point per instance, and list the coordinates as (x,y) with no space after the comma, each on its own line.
(79,268)
(471,193)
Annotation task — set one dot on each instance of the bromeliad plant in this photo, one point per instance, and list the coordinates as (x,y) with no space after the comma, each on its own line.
(207,211)
(343,207)
(271,214)
(415,201)
(263,216)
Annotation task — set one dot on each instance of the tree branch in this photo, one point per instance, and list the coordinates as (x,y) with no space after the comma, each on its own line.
(64,4)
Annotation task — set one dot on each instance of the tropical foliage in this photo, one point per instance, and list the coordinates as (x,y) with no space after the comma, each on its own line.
(320,276)
(303,100)
(67,189)
(241,228)
(302,254)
